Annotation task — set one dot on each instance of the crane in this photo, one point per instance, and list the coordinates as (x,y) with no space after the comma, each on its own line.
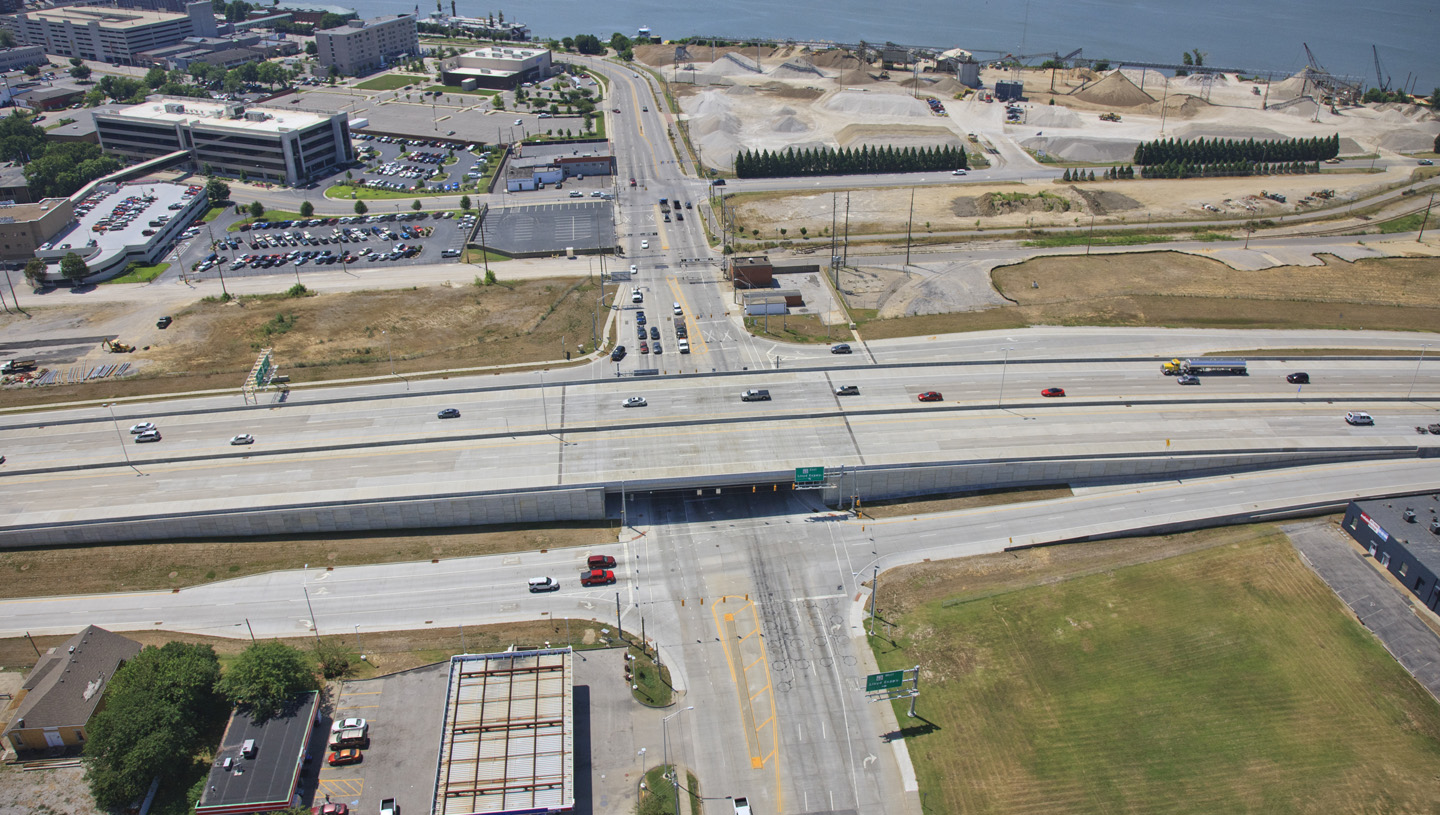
(1380,78)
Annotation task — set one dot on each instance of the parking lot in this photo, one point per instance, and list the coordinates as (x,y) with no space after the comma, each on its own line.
(294,247)
(416,164)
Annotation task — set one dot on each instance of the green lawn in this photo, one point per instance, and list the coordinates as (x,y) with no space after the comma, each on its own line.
(1229,679)
(390,82)
(457,89)
(140,274)
(270,215)
(213,213)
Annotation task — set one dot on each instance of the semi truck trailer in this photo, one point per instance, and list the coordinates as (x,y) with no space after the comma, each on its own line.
(1204,365)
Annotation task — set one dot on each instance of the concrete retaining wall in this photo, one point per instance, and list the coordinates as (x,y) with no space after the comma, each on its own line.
(578,504)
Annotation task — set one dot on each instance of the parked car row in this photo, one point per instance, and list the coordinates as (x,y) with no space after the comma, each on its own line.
(348,737)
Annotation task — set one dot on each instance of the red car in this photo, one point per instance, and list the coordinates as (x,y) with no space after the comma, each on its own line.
(1053,392)
(597,577)
(600,562)
(349,755)
(931,396)
(331,809)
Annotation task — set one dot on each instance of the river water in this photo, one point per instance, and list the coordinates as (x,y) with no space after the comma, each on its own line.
(1257,36)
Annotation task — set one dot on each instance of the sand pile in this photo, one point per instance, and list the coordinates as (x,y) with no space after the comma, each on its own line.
(1407,140)
(1291,88)
(1073,148)
(837,59)
(1115,90)
(1201,80)
(876,104)
(789,124)
(856,77)
(1051,116)
(1215,130)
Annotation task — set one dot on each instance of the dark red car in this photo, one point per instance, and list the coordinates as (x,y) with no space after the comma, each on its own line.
(931,396)
(600,562)
(1053,392)
(597,577)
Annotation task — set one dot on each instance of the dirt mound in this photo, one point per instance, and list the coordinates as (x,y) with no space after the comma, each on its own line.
(1115,90)
(1095,150)
(1215,130)
(789,124)
(876,104)
(836,58)
(1104,202)
(856,77)
(1407,140)
(1292,87)
(856,135)
(1180,106)
(1415,113)
(1007,203)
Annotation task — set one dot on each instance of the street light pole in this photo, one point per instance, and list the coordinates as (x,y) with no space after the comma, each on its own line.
(1415,376)
(124,451)
(1003,365)
(674,771)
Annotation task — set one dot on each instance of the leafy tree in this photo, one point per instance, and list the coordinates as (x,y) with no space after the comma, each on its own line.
(31,70)
(270,73)
(1435,99)
(489,277)
(265,676)
(154,715)
(328,20)
(1187,59)
(217,191)
(465,200)
(249,73)
(64,168)
(568,43)
(416,206)
(73,268)
(619,42)
(311,49)
(35,271)
(333,658)
(7,38)
(19,139)
(360,208)
(76,61)
(81,72)
(307,209)
(155,77)
(257,209)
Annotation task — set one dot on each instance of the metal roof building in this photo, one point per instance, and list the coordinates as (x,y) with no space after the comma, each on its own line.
(508,743)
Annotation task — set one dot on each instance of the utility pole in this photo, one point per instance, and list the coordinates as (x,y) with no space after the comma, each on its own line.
(845,260)
(874,592)
(909,226)
(1423,222)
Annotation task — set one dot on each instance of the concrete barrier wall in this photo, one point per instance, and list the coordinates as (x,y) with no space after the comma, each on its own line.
(588,502)
(577,504)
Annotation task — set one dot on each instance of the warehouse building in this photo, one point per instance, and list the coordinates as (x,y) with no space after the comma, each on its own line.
(13,59)
(508,742)
(498,67)
(362,46)
(110,34)
(270,144)
(1403,535)
(25,227)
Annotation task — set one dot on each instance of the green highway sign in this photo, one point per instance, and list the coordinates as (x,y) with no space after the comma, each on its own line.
(809,475)
(262,370)
(886,681)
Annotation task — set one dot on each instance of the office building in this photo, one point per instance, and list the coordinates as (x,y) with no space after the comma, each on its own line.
(362,46)
(110,34)
(26,227)
(15,58)
(497,67)
(269,144)
(1403,536)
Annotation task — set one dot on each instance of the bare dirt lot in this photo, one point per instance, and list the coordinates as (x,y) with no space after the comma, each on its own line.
(1172,289)
(213,344)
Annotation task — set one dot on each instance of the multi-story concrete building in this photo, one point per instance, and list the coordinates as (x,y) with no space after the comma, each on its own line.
(271,144)
(26,227)
(109,34)
(361,46)
(499,67)
(13,58)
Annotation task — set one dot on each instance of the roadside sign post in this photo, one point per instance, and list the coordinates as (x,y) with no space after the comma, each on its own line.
(890,685)
(809,478)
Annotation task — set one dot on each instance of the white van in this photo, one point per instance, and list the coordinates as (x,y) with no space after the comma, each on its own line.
(684,346)
(679,312)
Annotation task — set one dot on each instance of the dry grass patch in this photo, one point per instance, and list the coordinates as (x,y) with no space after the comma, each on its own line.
(1180,290)
(1198,673)
(181,563)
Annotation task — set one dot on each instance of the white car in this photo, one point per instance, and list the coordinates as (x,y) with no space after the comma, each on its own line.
(644,244)
(1359,417)
(348,724)
(959,172)
(243,438)
(143,427)
(635,401)
(517,121)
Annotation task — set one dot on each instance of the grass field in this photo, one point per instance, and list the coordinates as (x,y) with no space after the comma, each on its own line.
(1173,289)
(327,336)
(1205,673)
(140,274)
(391,82)
(797,328)
(457,89)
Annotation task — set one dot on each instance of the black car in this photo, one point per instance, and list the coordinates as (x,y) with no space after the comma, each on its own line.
(1298,378)
(840,348)
(163,322)
(449,413)
(654,332)
(618,354)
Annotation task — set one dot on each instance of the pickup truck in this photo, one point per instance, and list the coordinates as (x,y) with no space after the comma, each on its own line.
(389,807)
(755,396)
(15,366)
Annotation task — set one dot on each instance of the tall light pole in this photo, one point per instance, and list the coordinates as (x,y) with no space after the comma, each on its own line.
(545,411)
(1407,393)
(125,451)
(674,771)
(1003,365)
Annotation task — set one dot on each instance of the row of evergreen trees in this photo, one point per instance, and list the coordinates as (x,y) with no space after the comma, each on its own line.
(1221,151)
(1112,174)
(1177,169)
(848,161)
